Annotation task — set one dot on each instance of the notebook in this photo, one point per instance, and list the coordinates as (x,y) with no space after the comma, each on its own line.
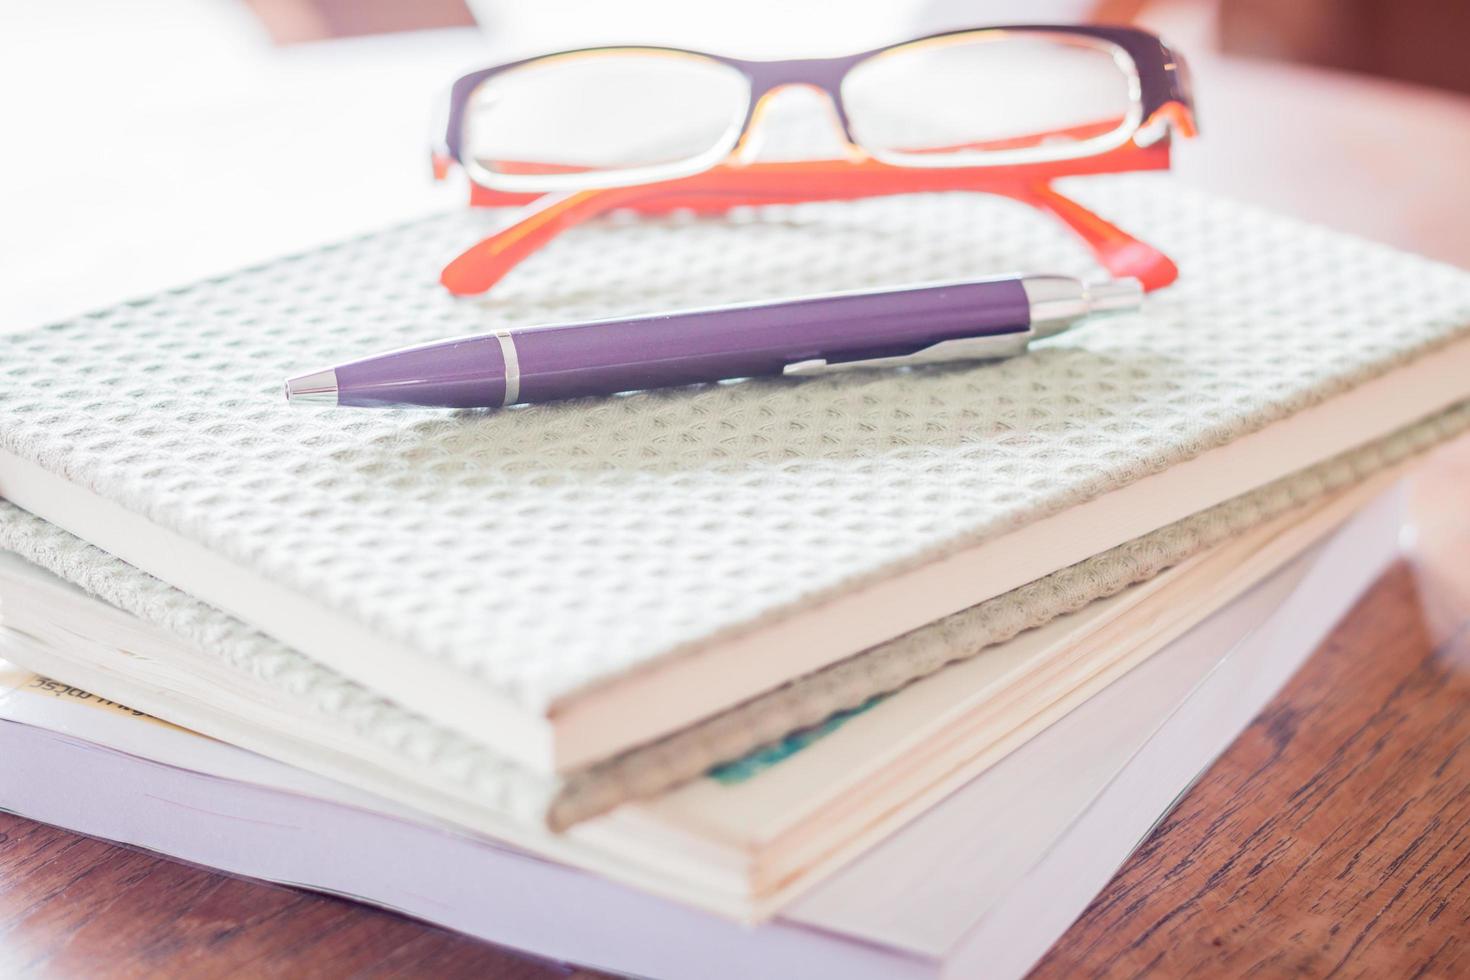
(936,898)
(566,583)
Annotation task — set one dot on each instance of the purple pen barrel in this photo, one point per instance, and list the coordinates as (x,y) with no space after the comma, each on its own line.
(671,349)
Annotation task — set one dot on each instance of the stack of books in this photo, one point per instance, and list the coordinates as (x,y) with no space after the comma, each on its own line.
(880,674)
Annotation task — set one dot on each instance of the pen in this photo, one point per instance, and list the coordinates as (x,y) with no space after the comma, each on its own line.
(972,320)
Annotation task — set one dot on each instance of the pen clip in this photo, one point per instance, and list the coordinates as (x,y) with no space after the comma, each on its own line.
(989,348)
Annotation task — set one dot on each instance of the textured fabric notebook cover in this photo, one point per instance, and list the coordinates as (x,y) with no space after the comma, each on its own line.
(542,552)
(450,763)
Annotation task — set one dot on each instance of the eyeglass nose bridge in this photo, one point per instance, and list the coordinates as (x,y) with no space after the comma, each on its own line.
(771,78)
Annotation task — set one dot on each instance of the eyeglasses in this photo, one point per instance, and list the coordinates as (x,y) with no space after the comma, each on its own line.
(1003,110)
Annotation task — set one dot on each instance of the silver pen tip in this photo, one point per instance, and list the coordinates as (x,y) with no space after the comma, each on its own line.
(1114,295)
(317,388)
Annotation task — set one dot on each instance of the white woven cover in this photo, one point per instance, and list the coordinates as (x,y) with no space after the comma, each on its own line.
(548,549)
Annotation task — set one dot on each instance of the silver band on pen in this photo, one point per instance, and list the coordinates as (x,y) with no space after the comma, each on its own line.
(512,367)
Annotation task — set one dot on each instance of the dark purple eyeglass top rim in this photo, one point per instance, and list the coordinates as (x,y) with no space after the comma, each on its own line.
(1161,78)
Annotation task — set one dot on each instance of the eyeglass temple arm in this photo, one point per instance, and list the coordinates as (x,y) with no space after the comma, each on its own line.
(717,191)
(484,264)
(1123,255)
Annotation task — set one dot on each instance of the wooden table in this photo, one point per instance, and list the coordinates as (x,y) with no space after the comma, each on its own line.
(1333,839)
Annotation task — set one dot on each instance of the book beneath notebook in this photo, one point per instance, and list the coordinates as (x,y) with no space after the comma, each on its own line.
(742,840)
(565,585)
(938,898)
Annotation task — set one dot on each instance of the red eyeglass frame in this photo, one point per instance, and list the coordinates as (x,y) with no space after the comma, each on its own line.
(733,184)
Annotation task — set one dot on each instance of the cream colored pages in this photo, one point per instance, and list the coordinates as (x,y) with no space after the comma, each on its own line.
(513,571)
